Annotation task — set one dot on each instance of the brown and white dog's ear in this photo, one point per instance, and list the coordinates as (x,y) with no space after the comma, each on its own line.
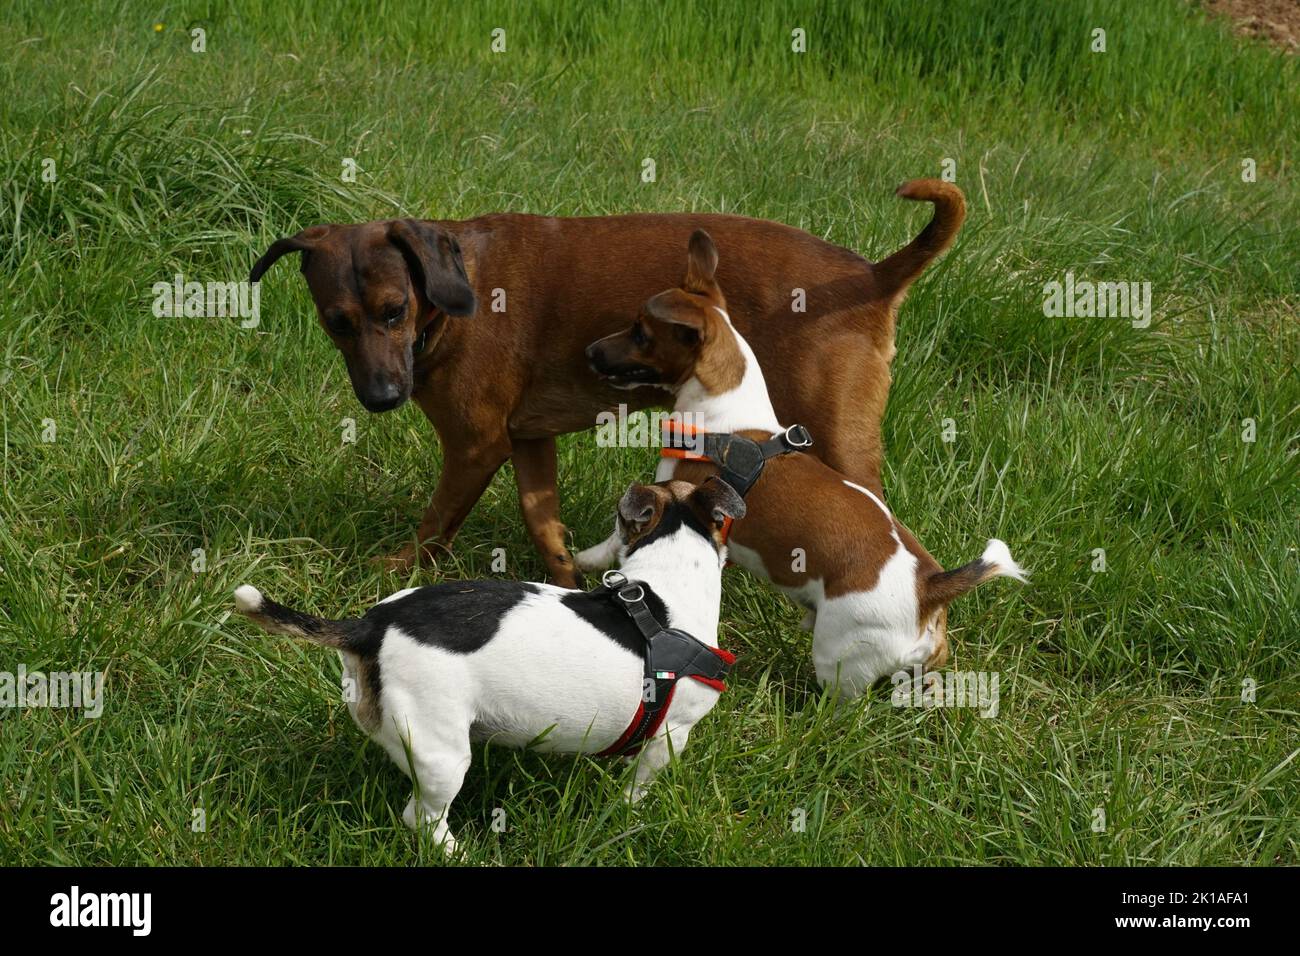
(670,306)
(701,263)
(639,507)
(433,256)
(716,501)
(302,242)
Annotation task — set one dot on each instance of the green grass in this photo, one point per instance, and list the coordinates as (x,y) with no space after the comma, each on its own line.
(1119,690)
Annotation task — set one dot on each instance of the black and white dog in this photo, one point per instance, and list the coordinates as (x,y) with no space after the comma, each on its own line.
(432,669)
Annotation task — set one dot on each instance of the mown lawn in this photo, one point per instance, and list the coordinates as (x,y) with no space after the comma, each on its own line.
(130,441)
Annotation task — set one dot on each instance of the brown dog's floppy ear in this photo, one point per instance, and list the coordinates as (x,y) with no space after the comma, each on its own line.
(638,506)
(701,263)
(718,501)
(433,255)
(302,242)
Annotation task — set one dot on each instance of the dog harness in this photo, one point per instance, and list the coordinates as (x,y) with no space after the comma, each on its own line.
(741,460)
(670,655)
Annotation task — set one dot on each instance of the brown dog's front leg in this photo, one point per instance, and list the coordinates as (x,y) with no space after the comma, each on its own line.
(539,499)
(466,473)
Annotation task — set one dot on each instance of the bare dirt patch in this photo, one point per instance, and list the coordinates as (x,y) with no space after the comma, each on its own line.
(1274,21)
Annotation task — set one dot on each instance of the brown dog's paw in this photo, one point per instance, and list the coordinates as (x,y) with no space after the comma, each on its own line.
(404,560)
(399,563)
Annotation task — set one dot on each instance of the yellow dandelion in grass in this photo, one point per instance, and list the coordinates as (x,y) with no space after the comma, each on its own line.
(157,28)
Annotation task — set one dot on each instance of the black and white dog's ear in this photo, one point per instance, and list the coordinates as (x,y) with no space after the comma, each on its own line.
(638,507)
(719,501)
(433,256)
(302,242)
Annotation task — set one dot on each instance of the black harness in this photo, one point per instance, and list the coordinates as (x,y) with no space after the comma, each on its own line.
(741,460)
(670,655)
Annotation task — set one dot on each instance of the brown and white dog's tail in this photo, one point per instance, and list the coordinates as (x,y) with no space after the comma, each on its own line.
(944,587)
(898,271)
(278,619)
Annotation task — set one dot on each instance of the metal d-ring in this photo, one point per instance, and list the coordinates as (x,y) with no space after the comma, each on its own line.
(627,598)
(617,582)
(804,441)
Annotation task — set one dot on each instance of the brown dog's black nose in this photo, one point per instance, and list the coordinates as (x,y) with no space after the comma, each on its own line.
(382,397)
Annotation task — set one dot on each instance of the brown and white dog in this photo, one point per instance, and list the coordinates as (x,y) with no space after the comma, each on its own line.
(396,298)
(877,600)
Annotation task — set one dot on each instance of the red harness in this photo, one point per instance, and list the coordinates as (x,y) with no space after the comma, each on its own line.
(670,655)
(636,735)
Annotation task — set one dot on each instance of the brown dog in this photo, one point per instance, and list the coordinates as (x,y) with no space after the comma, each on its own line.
(396,296)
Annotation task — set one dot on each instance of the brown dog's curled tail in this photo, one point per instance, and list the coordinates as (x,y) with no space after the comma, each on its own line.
(898,271)
(278,619)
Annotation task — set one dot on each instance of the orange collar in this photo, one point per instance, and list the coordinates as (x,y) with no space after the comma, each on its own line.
(672,427)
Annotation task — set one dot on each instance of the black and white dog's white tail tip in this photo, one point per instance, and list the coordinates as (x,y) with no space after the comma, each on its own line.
(278,619)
